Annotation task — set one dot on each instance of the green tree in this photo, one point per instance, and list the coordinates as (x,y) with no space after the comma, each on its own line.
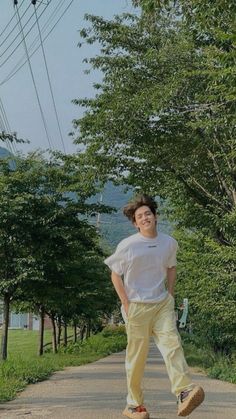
(206,275)
(41,228)
(17,263)
(161,122)
(12,138)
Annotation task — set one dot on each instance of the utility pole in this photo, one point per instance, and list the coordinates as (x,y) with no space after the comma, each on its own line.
(98,214)
(98,221)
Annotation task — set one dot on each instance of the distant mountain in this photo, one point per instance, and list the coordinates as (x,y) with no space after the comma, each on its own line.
(4,152)
(115,227)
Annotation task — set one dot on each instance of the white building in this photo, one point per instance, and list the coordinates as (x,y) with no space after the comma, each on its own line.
(20,320)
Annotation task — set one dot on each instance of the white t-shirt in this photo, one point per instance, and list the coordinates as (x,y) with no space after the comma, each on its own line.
(143,263)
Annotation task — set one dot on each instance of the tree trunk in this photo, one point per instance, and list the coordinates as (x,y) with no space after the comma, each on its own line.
(54,334)
(65,334)
(88,329)
(6,312)
(59,328)
(82,332)
(75,332)
(41,332)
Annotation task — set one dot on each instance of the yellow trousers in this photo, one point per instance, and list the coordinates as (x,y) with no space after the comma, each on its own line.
(157,320)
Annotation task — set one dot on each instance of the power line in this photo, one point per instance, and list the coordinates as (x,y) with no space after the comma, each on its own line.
(7,25)
(12,73)
(6,127)
(49,82)
(33,79)
(6,123)
(17,35)
(9,56)
(15,26)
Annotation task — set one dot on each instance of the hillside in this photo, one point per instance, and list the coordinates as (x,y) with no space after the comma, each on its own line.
(115,227)
(4,152)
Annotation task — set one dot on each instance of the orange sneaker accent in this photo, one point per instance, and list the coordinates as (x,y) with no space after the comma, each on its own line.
(141,409)
(139,412)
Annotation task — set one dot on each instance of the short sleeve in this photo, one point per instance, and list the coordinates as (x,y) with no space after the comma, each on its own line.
(172,260)
(118,261)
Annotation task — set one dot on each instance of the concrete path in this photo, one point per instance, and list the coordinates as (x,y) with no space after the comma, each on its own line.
(98,391)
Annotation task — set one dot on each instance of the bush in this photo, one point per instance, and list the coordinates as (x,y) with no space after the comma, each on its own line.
(224,369)
(113,330)
(206,276)
(199,354)
(111,339)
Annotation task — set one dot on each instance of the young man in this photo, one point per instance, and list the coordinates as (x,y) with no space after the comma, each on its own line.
(146,261)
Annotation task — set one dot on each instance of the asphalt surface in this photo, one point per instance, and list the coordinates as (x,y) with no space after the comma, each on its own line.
(98,391)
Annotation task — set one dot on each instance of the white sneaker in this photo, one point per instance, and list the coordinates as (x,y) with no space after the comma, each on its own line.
(190,399)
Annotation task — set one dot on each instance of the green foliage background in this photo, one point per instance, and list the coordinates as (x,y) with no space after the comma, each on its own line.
(163,122)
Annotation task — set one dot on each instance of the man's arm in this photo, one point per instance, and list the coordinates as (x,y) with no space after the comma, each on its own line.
(120,289)
(171,278)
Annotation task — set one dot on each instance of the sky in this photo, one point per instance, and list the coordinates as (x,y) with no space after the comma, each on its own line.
(65,67)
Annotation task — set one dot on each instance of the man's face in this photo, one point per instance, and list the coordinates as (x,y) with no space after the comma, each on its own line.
(145,220)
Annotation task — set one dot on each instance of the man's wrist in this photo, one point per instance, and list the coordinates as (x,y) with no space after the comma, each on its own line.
(124,301)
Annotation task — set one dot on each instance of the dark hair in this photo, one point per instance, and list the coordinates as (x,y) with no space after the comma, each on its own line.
(139,201)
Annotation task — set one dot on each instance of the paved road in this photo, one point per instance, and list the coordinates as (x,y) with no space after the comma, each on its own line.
(98,391)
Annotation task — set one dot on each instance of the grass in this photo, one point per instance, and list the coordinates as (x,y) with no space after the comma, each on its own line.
(199,354)
(23,366)
(20,341)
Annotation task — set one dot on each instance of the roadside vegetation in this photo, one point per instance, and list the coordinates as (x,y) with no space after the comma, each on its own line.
(23,366)
(200,355)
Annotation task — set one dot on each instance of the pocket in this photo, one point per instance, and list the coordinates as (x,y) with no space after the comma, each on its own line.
(123,313)
(172,299)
